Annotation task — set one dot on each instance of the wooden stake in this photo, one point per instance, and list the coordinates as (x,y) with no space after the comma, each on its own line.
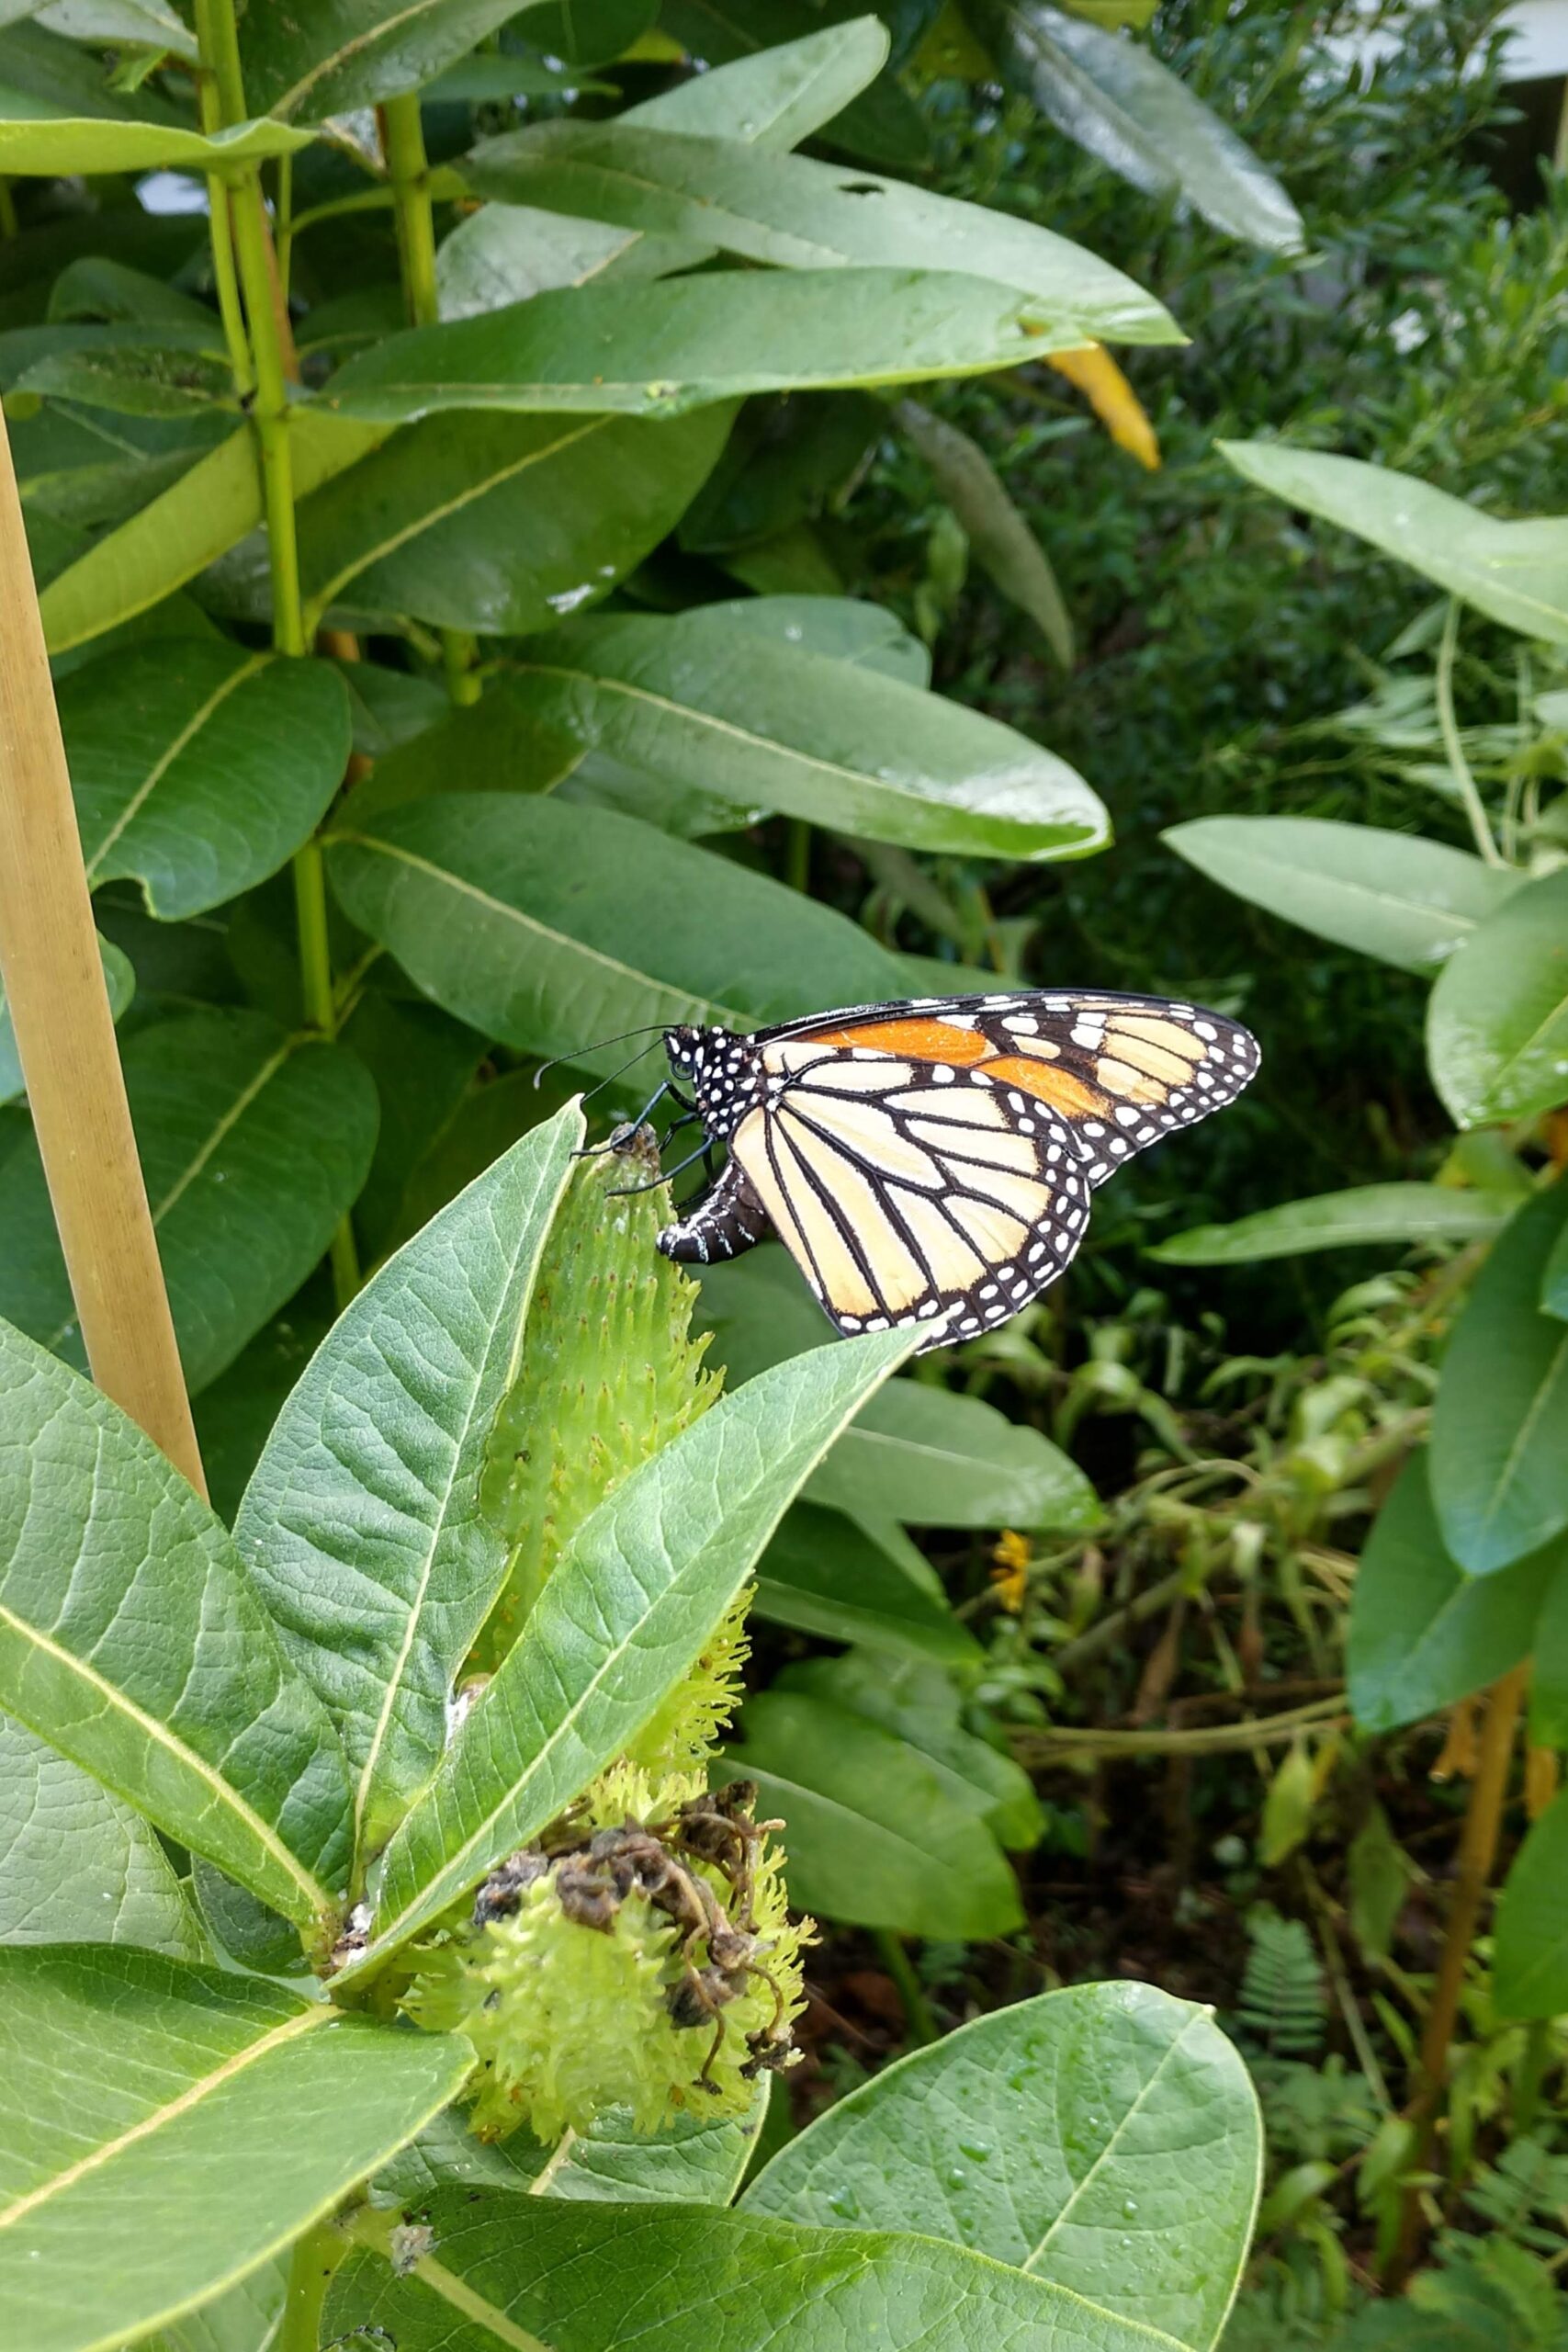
(60,1010)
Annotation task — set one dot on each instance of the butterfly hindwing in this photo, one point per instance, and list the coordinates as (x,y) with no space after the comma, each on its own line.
(926,1196)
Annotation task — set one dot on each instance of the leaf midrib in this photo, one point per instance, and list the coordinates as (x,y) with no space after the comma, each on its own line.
(161,766)
(321,598)
(475,2307)
(159,1735)
(1509,1471)
(339,57)
(415,1614)
(1326,877)
(1556,1012)
(452,880)
(221,1128)
(162,2117)
(877,785)
(1128,2117)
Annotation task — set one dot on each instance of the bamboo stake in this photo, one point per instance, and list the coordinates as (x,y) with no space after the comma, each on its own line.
(60,1010)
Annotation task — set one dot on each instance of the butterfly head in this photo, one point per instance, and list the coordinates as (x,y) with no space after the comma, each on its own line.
(722,1070)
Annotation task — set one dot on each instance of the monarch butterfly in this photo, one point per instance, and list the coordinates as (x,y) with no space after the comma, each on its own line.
(932,1160)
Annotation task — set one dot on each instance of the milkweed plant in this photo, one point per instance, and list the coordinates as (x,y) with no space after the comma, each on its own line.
(449,1965)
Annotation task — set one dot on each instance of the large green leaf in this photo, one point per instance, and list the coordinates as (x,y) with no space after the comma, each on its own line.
(921,1703)
(503,252)
(624,1615)
(1500,1425)
(931,1457)
(336,55)
(1405,901)
(799,214)
(1515,572)
(779,95)
(54,146)
(689,2161)
(550,925)
(130,1641)
(1106,2137)
(653,349)
(253,1144)
(154,377)
(1532,1922)
(77,1864)
(823,1575)
(1498,1026)
(882,124)
(361,1525)
(698,699)
(1394,1216)
(1115,99)
(591,2278)
(200,767)
(168,2128)
(120,983)
(923,1456)
(178,534)
(1421,1633)
(875,1835)
(501,523)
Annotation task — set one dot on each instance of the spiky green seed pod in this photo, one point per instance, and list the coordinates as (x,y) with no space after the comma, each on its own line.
(609,1373)
(586,1997)
(684,1730)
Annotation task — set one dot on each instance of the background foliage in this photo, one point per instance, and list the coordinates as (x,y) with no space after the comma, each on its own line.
(523,695)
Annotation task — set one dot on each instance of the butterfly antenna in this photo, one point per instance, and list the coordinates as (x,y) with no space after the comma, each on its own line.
(598,1048)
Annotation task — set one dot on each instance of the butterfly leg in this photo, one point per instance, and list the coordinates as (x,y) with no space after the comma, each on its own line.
(727,1220)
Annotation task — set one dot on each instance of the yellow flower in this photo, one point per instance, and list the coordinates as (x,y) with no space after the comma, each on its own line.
(1010,1578)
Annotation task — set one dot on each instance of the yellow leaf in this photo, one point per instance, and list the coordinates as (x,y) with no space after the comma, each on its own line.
(1112,398)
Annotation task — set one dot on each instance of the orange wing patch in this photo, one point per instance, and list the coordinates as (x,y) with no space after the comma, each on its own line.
(912,1041)
(1065,1092)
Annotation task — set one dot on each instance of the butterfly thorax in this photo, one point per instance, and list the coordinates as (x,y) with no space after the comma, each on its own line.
(724,1072)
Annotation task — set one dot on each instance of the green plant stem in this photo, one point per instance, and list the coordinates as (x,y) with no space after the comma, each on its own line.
(1459,766)
(407,168)
(8,224)
(912,1992)
(458,654)
(221,235)
(315,2259)
(1210,1739)
(798,854)
(269,417)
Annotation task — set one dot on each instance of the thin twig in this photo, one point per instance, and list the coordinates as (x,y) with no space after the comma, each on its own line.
(1051,1745)
(1459,766)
